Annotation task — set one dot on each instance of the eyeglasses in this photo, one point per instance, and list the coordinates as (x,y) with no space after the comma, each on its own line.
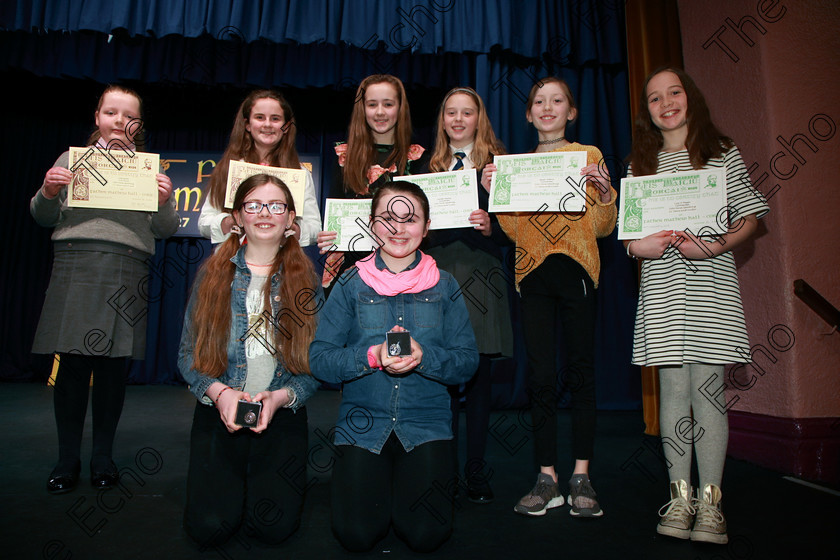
(275,208)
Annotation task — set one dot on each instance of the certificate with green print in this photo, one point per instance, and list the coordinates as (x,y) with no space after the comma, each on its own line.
(694,200)
(546,182)
(295,179)
(453,196)
(350,219)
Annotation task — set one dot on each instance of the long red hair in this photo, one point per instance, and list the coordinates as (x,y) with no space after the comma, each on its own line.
(360,152)
(211,313)
(241,144)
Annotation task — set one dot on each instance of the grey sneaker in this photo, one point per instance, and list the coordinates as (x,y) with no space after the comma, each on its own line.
(582,497)
(709,525)
(545,495)
(678,513)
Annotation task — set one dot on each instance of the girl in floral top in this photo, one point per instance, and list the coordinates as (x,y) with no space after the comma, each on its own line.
(378,148)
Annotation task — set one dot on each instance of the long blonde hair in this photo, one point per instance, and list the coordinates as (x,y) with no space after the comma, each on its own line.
(486,144)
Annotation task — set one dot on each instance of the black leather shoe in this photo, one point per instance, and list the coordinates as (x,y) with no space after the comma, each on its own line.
(63,481)
(479,491)
(102,480)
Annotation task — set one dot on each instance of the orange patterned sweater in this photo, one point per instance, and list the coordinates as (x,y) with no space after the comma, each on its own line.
(539,234)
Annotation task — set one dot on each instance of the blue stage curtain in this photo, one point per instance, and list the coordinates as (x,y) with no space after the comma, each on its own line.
(317,52)
(420,27)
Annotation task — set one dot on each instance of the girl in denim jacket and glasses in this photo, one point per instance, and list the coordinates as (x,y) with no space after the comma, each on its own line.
(394,426)
(246,337)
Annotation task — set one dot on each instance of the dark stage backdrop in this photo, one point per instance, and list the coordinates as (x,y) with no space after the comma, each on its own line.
(194,60)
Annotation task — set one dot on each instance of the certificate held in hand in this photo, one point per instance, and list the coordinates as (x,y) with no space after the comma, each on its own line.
(295,179)
(544,182)
(115,179)
(692,200)
(453,196)
(350,219)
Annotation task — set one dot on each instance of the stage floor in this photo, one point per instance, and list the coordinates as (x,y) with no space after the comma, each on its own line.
(769,517)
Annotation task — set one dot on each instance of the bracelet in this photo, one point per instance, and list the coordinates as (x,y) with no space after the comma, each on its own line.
(292,398)
(628,251)
(372,361)
(216,400)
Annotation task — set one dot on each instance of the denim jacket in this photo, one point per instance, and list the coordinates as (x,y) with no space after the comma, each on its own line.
(237,370)
(374,403)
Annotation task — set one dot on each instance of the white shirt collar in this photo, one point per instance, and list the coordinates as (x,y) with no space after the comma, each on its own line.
(468,164)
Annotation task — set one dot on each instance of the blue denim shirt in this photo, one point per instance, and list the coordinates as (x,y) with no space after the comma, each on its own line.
(374,403)
(237,370)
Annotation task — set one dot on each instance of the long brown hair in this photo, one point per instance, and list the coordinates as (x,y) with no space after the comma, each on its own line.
(704,140)
(360,153)
(486,144)
(241,144)
(139,139)
(211,314)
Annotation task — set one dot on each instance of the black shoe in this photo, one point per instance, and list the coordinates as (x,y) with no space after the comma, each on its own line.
(455,489)
(62,480)
(104,479)
(479,491)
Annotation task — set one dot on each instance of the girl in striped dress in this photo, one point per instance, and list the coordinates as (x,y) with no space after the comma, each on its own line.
(689,321)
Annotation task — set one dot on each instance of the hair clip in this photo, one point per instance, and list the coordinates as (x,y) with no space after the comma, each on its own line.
(289,232)
(236,229)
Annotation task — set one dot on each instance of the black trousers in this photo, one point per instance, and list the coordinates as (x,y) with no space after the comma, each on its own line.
(411,490)
(560,288)
(245,480)
(70,399)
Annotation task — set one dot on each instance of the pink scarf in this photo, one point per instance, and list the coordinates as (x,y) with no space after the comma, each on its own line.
(386,283)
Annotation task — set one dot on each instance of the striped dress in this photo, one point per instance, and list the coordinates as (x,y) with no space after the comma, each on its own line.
(690,311)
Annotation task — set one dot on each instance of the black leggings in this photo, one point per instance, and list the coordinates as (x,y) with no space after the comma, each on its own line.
(477,393)
(72,385)
(560,287)
(412,490)
(245,479)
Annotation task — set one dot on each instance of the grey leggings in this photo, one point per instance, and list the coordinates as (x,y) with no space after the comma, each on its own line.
(708,432)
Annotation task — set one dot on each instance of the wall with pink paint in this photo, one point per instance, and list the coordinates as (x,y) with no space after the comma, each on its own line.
(786,83)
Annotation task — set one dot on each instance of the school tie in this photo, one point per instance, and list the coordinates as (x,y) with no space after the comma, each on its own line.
(460,163)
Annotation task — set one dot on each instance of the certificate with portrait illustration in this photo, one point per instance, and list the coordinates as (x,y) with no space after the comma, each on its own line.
(115,179)
(350,218)
(544,182)
(295,179)
(453,196)
(694,200)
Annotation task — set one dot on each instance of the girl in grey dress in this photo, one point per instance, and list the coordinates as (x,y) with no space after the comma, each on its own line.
(94,314)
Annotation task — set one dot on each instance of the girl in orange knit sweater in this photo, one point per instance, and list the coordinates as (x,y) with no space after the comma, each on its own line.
(557,273)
